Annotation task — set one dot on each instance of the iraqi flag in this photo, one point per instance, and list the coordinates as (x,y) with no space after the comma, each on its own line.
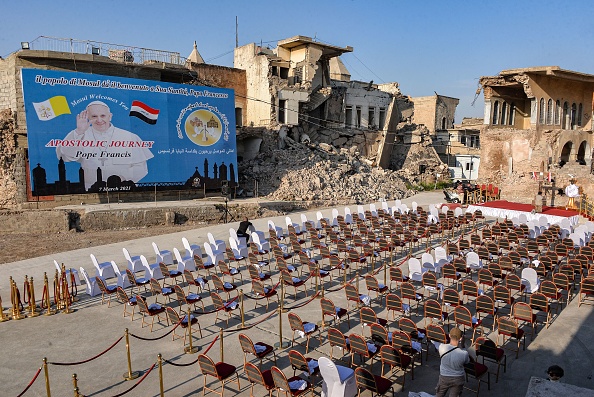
(144,112)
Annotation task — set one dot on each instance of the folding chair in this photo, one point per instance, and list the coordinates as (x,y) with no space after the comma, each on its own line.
(394,358)
(259,349)
(374,383)
(282,384)
(257,377)
(336,313)
(488,350)
(307,329)
(508,328)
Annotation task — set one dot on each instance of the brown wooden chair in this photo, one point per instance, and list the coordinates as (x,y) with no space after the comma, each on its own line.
(174,318)
(335,313)
(435,334)
(433,311)
(183,299)
(257,377)
(464,319)
(200,265)
(157,290)
(220,305)
(306,328)
(359,346)
(106,290)
(485,305)
(136,281)
(352,295)
(221,371)
(586,291)
(169,274)
(154,310)
(408,293)
(259,349)
(281,384)
(374,383)
(308,365)
(394,358)
(223,286)
(373,285)
(262,292)
(294,282)
(488,350)
(477,371)
(540,303)
(367,316)
(127,301)
(394,304)
(507,328)
(232,272)
(199,282)
(523,312)
(337,339)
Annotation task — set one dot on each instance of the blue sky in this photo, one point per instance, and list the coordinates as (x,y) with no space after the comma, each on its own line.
(426,46)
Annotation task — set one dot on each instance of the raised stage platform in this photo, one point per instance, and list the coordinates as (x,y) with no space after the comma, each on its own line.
(508,209)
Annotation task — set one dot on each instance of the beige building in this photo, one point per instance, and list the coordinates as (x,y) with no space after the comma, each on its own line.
(436,112)
(537,119)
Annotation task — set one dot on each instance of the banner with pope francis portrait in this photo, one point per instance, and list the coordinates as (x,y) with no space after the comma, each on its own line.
(96,133)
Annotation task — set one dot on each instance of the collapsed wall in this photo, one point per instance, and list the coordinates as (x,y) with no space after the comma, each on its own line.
(8,160)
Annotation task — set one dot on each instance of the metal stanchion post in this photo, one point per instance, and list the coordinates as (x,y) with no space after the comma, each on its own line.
(75,384)
(47,382)
(32,305)
(221,345)
(57,300)
(160,361)
(48,302)
(129,375)
(190,349)
(280,344)
(386,273)
(2,316)
(242,313)
(66,295)
(16,311)
(317,282)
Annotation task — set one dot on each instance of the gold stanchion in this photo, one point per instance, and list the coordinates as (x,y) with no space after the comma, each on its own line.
(16,311)
(241,311)
(129,375)
(160,362)
(57,300)
(280,344)
(75,384)
(386,274)
(65,275)
(221,345)
(322,291)
(317,275)
(190,349)
(2,316)
(47,382)
(66,295)
(32,306)
(46,291)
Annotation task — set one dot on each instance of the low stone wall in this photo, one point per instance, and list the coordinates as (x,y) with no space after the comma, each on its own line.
(60,220)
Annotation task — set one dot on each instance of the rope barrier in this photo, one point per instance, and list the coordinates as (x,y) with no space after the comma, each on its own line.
(253,325)
(219,309)
(159,337)
(263,297)
(27,291)
(137,383)
(303,304)
(92,358)
(32,381)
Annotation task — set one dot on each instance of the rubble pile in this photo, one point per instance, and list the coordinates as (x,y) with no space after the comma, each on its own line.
(8,152)
(305,172)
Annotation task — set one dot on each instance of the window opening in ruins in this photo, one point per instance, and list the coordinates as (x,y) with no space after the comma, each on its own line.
(541,111)
(512,113)
(565,115)
(382,117)
(566,152)
(371,123)
(348,116)
(503,112)
(549,112)
(283,73)
(557,112)
(463,139)
(358,121)
(274,70)
(573,115)
(238,117)
(282,114)
(443,123)
(496,113)
(579,115)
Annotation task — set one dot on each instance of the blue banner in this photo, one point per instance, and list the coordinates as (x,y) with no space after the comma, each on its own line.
(96,133)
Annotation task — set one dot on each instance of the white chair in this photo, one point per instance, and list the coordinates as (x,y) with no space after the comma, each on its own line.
(414,206)
(239,240)
(473,261)
(415,270)
(348,217)
(213,256)
(164,256)
(304,221)
(385,207)
(441,258)
(319,218)
(184,262)
(151,270)
(121,279)
(338,381)
(397,203)
(104,269)
(92,288)
(428,262)
(404,209)
(217,245)
(373,209)
(444,209)
(238,250)
(578,239)
(134,262)
(279,230)
(522,219)
(191,249)
(361,212)
(288,221)
(458,212)
(334,217)
(530,279)
(261,243)
(74,272)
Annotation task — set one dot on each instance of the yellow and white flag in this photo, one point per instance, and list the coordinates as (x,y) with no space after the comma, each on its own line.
(51,108)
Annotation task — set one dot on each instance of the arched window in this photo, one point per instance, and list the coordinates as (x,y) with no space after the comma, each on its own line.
(565,116)
(503,113)
(579,115)
(550,111)
(541,111)
(512,113)
(496,113)
(573,115)
(443,123)
(557,112)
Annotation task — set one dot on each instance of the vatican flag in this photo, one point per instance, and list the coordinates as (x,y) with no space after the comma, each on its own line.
(51,108)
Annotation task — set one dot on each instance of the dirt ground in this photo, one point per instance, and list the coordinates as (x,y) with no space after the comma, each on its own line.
(16,247)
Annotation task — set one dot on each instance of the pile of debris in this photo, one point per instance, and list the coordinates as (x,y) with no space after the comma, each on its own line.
(312,172)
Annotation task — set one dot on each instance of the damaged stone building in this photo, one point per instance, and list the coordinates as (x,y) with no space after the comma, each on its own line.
(537,119)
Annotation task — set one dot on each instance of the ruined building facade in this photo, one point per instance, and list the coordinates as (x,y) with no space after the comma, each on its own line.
(537,119)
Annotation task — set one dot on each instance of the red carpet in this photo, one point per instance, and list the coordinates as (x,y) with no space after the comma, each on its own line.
(507,205)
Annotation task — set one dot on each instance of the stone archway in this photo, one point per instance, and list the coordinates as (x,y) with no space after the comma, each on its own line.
(584,153)
(566,152)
